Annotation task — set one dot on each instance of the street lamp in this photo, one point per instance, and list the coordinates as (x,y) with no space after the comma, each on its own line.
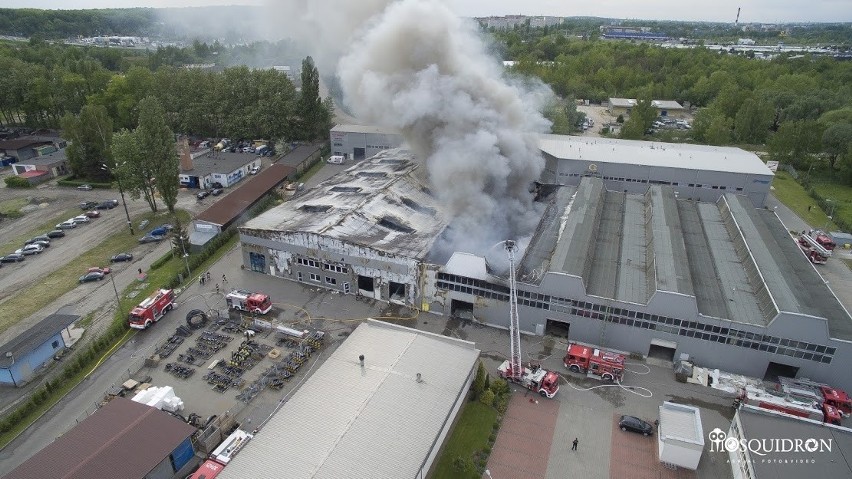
(121,192)
(12,373)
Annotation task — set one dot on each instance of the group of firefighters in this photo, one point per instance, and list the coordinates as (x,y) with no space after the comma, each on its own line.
(205,278)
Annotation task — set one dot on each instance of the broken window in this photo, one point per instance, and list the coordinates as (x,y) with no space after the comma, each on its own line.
(315,208)
(346,189)
(373,174)
(418,207)
(395,224)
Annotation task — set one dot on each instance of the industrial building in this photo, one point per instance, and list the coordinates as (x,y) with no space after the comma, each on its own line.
(696,172)
(205,170)
(44,167)
(356,142)
(664,269)
(363,231)
(781,446)
(26,354)
(121,439)
(665,108)
(380,406)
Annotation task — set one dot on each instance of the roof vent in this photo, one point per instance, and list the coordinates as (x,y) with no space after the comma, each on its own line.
(395,224)
(315,208)
(361,358)
(373,174)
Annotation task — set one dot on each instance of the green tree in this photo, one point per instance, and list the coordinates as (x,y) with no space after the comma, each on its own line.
(90,136)
(310,104)
(718,131)
(158,142)
(641,118)
(479,381)
(487,398)
(133,168)
(837,141)
(753,120)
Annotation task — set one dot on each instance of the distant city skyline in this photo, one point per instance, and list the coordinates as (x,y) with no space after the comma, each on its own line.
(754,11)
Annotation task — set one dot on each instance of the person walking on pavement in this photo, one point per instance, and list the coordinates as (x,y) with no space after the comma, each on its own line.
(217,288)
(574,444)
(224,279)
(208,276)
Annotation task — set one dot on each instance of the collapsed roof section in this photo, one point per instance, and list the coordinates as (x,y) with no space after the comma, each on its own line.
(380,203)
(738,262)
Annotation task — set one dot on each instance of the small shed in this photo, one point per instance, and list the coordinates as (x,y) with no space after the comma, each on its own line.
(680,436)
(22,356)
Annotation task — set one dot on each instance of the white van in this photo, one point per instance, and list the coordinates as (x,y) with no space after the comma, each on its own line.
(335,159)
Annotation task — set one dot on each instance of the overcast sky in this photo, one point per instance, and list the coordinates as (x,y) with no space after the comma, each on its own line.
(767,11)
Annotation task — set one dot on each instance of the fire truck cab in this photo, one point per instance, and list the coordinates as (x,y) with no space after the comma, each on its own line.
(534,378)
(152,309)
(247,301)
(594,362)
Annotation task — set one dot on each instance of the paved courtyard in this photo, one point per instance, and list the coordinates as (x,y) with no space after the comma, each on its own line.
(525,437)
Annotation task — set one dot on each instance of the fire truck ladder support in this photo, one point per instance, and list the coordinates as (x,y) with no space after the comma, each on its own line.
(514,326)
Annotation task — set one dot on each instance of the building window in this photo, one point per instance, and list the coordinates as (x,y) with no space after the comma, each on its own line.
(315,277)
(330,280)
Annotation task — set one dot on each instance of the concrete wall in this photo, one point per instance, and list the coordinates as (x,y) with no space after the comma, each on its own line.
(701,185)
(345,143)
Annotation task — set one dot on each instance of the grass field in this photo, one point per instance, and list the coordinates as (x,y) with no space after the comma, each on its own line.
(471,434)
(795,197)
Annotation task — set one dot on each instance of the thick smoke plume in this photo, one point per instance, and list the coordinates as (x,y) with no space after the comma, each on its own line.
(415,66)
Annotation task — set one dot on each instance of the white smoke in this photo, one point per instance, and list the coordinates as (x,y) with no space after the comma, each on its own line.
(415,66)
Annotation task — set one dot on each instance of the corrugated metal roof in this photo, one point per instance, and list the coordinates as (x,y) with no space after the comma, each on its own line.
(652,153)
(372,422)
(364,129)
(682,422)
(378,203)
(122,439)
(35,336)
(234,204)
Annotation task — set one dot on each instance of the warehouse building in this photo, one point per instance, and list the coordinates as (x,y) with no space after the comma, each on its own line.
(121,439)
(781,446)
(366,231)
(395,394)
(650,273)
(666,108)
(356,142)
(26,354)
(216,169)
(699,172)
(43,167)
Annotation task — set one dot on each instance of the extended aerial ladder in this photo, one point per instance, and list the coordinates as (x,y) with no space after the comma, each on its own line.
(514,326)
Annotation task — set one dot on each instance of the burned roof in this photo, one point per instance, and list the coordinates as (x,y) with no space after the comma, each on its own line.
(121,439)
(379,202)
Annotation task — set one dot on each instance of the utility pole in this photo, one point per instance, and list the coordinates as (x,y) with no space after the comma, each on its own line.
(121,192)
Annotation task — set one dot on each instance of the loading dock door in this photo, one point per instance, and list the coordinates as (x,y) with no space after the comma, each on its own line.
(776,370)
(461,310)
(662,349)
(359,153)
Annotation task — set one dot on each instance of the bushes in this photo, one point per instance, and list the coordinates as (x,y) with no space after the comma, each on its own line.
(160,261)
(17,182)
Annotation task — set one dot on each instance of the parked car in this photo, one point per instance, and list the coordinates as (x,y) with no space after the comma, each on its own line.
(216,191)
(161,230)
(85,187)
(98,269)
(121,257)
(30,249)
(87,205)
(93,214)
(254,170)
(216,184)
(80,219)
(335,159)
(92,276)
(105,205)
(66,225)
(12,258)
(42,243)
(55,234)
(202,194)
(634,424)
(151,239)
(43,238)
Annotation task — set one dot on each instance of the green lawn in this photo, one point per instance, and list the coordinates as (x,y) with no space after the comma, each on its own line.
(795,197)
(471,434)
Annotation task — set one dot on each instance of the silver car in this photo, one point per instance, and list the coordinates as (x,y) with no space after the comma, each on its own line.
(66,225)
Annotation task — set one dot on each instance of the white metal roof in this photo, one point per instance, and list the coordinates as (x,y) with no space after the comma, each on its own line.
(666,104)
(377,421)
(364,129)
(682,422)
(652,153)
(622,102)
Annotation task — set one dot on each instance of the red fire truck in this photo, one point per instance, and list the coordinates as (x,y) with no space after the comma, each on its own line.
(533,378)
(759,397)
(594,362)
(819,392)
(152,309)
(246,301)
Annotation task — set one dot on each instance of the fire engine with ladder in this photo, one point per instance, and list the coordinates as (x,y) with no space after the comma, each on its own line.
(258,303)
(814,249)
(594,362)
(818,392)
(788,404)
(534,378)
(152,309)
